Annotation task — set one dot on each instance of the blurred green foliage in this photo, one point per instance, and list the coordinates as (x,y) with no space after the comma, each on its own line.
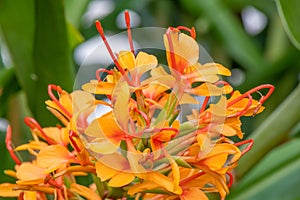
(41,36)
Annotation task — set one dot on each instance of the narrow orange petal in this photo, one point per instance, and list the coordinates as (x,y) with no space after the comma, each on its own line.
(86,192)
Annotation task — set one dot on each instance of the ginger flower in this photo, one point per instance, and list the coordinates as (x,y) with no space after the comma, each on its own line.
(167,132)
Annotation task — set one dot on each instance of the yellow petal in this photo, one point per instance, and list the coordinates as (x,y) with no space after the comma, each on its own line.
(161,180)
(7,190)
(30,195)
(213,68)
(224,130)
(11,173)
(84,191)
(104,172)
(102,146)
(121,179)
(96,87)
(120,97)
(208,89)
(144,63)
(35,145)
(142,187)
(126,60)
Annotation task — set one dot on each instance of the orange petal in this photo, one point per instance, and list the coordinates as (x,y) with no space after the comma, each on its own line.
(104,172)
(192,194)
(54,157)
(7,190)
(185,48)
(161,180)
(208,89)
(121,179)
(84,191)
(29,171)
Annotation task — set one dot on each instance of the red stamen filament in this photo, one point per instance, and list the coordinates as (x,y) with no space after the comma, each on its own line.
(186,180)
(33,124)
(21,196)
(73,134)
(56,101)
(240,113)
(102,71)
(127,20)
(190,30)
(230,179)
(248,148)
(171,48)
(204,104)
(101,32)
(263,98)
(9,146)
(49,179)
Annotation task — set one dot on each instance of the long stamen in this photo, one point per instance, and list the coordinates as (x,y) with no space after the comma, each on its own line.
(49,179)
(102,71)
(9,146)
(204,104)
(101,32)
(33,124)
(240,113)
(188,179)
(262,100)
(248,148)
(230,179)
(127,20)
(73,134)
(56,101)
(190,30)
(171,47)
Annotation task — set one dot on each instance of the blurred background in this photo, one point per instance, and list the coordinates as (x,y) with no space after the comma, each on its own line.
(45,42)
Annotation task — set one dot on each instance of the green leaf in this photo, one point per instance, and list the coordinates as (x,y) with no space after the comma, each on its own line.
(275,177)
(272,131)
(17,31)
(52,53)
(74,11)
(36,35)
(290,15)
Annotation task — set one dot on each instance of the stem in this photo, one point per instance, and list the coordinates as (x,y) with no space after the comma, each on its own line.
(101,32)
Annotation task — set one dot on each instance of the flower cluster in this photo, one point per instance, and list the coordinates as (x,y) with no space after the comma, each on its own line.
(167,133)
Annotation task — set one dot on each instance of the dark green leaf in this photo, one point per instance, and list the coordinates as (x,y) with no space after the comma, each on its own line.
(52,53)
(290,15)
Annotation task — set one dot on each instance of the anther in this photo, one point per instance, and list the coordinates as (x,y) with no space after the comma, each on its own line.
(127,21)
